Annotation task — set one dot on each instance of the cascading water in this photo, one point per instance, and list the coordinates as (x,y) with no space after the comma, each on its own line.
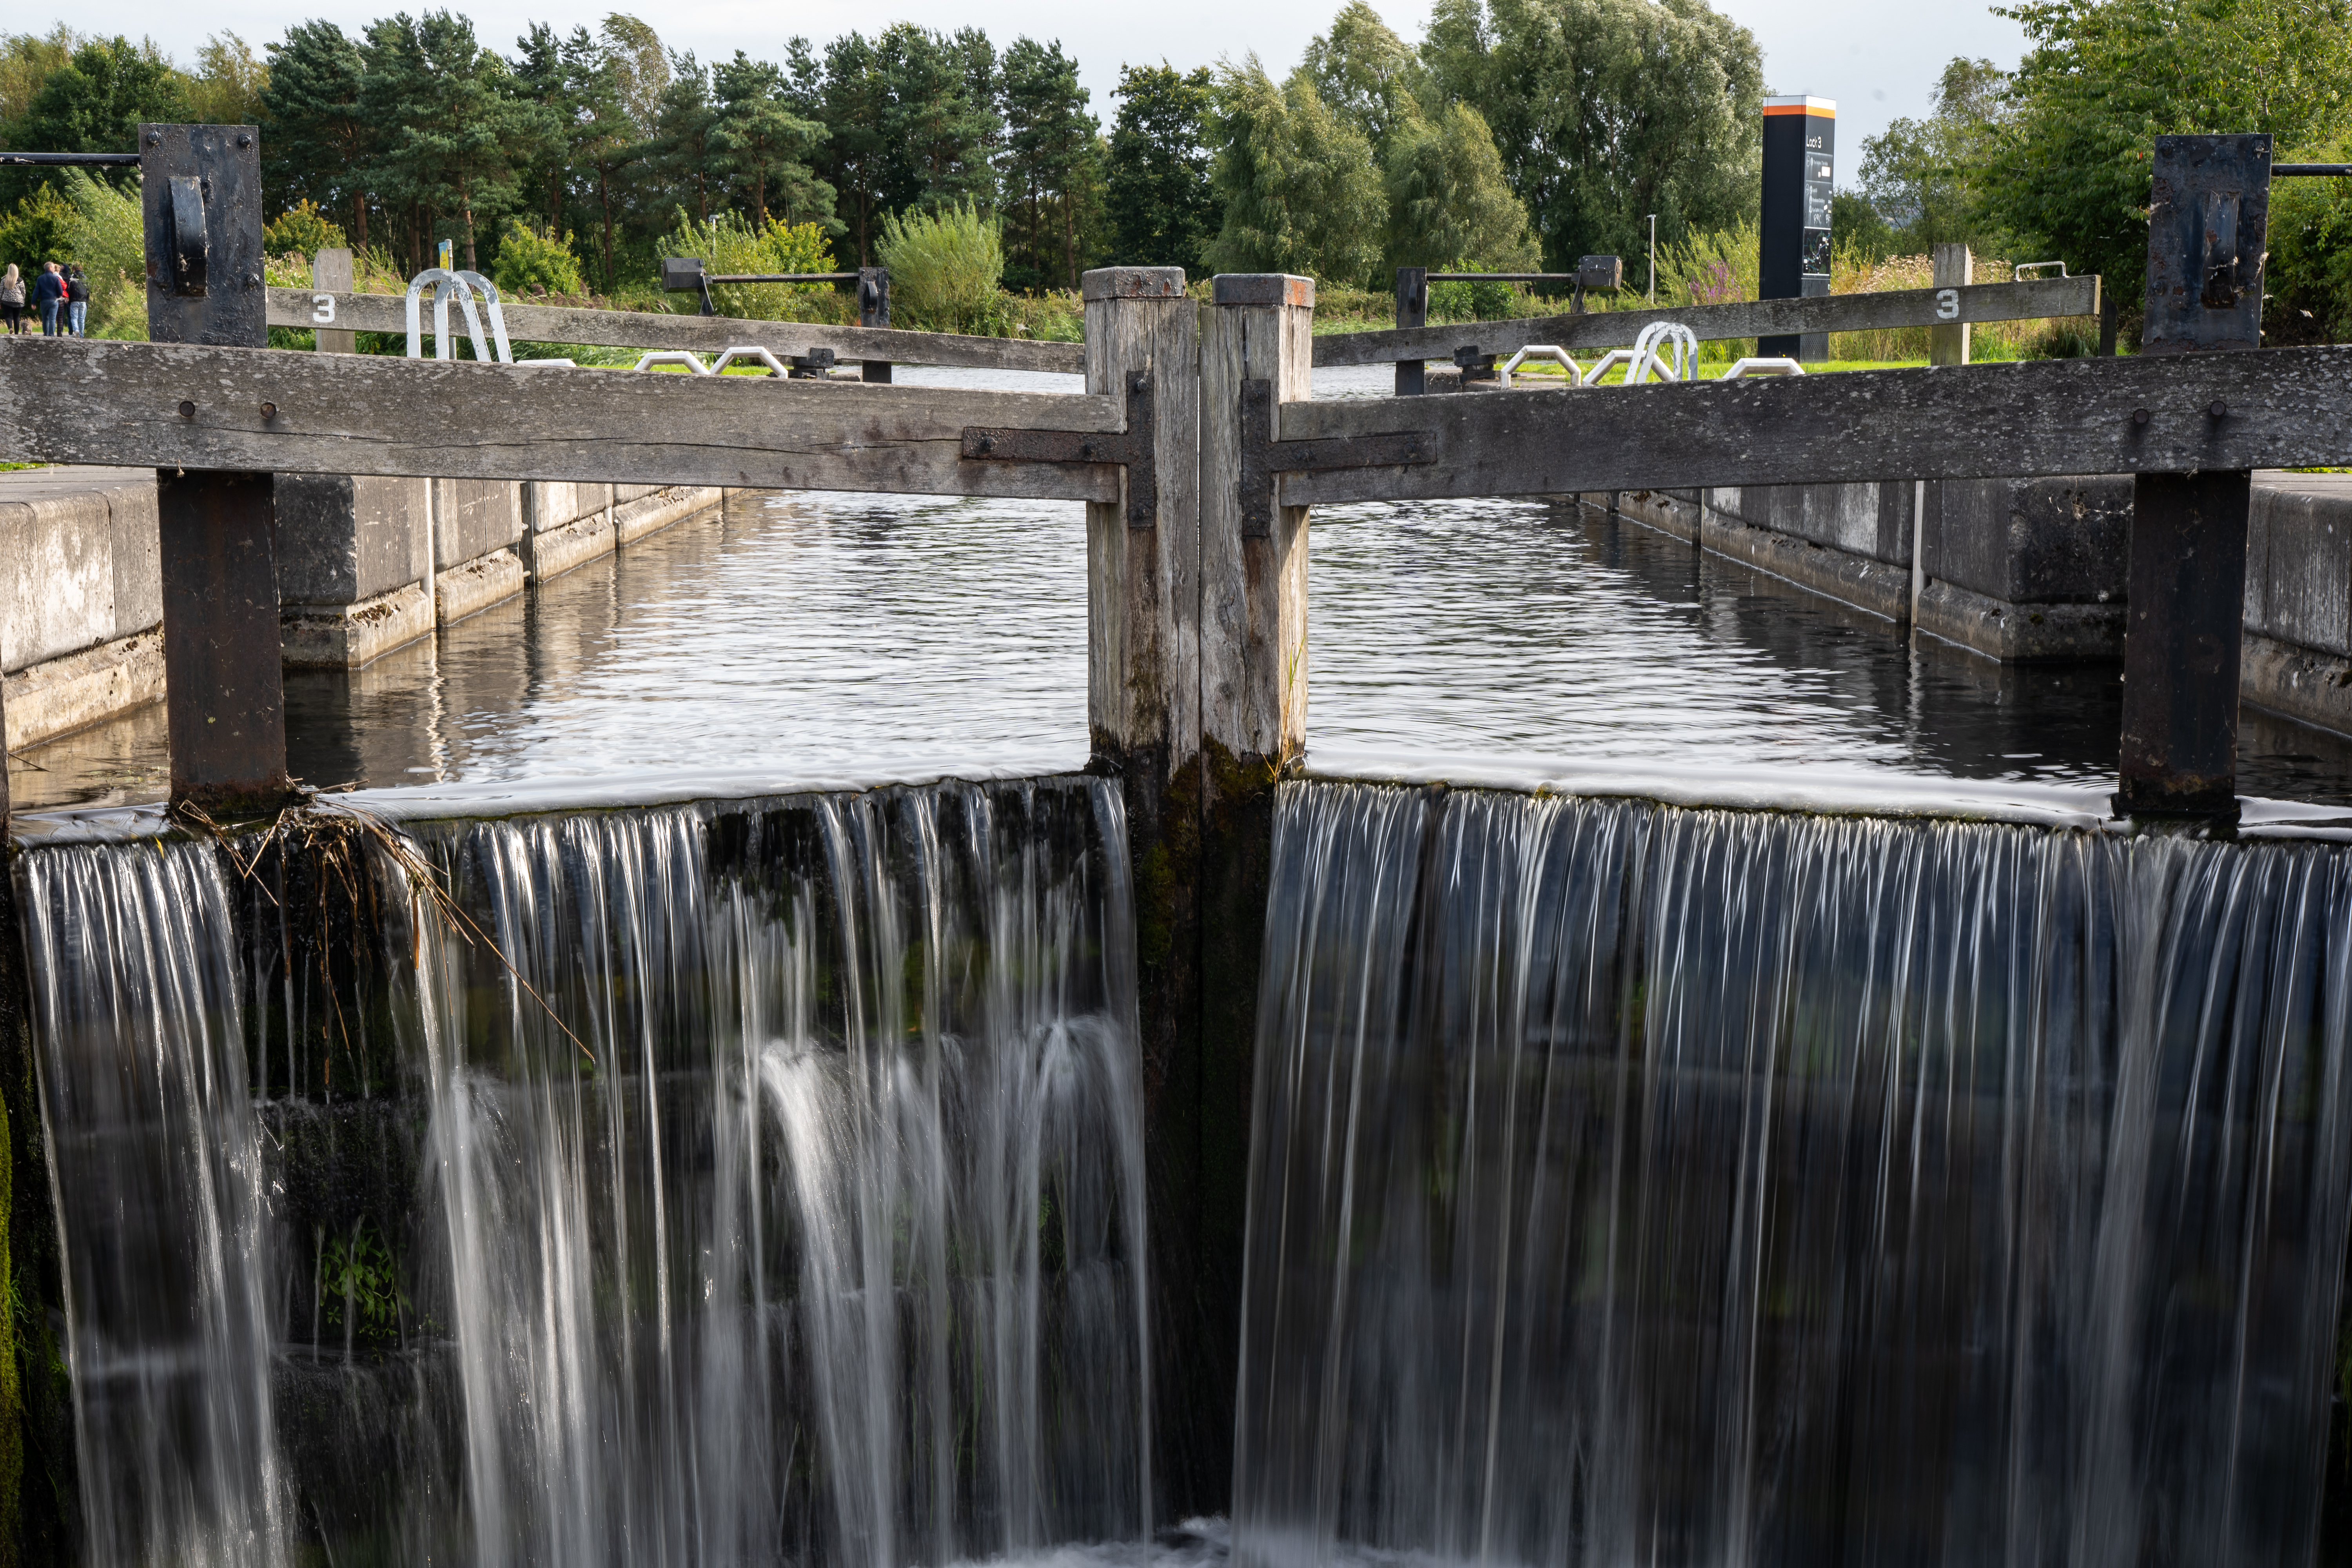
(777,1195)
(157,1163)
(1644,1186)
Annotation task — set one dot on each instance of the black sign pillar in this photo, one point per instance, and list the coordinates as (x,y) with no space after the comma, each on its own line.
(1799,173)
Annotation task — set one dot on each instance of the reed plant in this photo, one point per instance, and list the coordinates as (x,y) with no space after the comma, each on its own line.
(944,268)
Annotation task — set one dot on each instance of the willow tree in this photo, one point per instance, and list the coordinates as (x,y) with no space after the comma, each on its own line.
(1298,185)
(1607,110)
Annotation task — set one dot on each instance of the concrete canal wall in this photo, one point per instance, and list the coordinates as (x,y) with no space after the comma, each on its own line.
(365,565)
(2035,570)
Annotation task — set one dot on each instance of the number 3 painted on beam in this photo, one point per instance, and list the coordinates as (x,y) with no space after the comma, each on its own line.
(322,308)
(1948,304)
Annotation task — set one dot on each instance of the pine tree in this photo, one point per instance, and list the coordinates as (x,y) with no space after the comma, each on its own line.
(680,153)
(1050,151)
(764,146)
(460,132)
(317,143)
(1161,210)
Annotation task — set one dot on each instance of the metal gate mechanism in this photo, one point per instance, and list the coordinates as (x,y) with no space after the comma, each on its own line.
(1130,448)
(1263,456)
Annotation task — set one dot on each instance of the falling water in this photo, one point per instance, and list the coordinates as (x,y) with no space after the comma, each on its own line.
(156,1161)
(777,1193)
(1644,1186)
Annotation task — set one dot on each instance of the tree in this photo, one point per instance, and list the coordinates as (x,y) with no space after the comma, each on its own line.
(680,153)
(319,142)
(763,146)
(1300,191)
(459,133)
(600,137)
(1156,191)
(26,60)
(2068,169)
(848,94)
(228,83)
(1050,149)
(95,102)
(1606,111)
(1365,74)
(641,70)
(941,123)
(1448,200)
(1920,175)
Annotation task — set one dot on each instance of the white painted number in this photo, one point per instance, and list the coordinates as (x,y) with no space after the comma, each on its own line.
(1948,304)
(322,308)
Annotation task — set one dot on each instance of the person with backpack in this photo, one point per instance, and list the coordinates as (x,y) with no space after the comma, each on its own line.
(48,294)
(12,301)
(77,302)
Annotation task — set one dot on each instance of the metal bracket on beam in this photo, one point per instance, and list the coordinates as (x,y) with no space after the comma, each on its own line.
(1264,458)
(1129,448)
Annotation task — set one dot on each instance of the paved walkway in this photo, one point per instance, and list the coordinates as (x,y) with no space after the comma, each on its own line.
(26,485)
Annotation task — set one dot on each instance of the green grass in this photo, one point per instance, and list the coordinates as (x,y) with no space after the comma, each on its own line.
(11,468)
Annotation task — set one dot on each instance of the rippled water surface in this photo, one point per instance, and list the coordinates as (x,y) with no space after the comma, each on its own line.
(901,636)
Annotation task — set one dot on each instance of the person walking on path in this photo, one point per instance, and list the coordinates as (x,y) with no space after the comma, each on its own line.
(77,302)
(48,293)
(12,301)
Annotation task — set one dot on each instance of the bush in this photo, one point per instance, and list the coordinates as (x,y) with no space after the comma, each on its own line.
(729,243)
(35,232)
(303,229)
(108,238)
(944,267)
(532,260)
(2309,281)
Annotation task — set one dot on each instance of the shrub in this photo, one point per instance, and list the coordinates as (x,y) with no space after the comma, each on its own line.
(944,267)
(2309,281)
(303,229)
(107,238)
(729,243)
(35,231)
(532,260)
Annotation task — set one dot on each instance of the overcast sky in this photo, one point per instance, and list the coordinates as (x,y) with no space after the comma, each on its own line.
(1876,59)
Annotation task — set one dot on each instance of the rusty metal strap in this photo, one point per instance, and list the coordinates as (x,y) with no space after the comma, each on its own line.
(1264,458)
(1130,448)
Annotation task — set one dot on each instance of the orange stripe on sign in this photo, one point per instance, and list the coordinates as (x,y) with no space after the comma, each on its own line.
(1800,109)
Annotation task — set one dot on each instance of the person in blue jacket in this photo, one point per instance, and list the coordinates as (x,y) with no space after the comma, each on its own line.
(48,293)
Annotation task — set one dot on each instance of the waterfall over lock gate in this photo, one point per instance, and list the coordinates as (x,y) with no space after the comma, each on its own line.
(733,1183)
(1645,1185)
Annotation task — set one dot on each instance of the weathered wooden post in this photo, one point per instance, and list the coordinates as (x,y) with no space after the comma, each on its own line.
(1254,352)
(223,699)
(1411,310)
(1954,268)
(332,273)
(1143,709)
(874,311)
(2209,216)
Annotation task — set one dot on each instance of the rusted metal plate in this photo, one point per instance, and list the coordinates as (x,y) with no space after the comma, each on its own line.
(1263,456)
(1130,448)
(2208,222)
(201,194)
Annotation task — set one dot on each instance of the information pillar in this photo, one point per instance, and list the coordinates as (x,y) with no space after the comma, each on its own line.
(1799,175)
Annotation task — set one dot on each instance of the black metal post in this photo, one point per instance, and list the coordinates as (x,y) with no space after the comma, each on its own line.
(2209,218)
(874,311)
(224,697)
(1411,310)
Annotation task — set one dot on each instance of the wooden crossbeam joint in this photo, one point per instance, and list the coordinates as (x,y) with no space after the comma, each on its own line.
(1264,458)
(1130,448)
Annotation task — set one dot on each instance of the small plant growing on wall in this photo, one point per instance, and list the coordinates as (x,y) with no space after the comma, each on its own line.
(359,1285)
